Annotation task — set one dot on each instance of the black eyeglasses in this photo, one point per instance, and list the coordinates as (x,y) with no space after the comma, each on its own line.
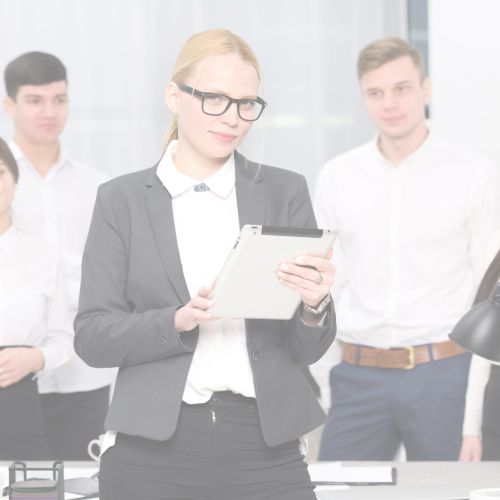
(217,104)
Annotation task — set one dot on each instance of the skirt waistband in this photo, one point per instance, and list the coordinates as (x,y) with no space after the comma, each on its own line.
(224,399)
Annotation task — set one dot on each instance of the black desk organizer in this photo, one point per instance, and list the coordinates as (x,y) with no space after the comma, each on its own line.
(30,486)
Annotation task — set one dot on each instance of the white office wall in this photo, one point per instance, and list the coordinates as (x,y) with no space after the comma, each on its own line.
(464,48)
(119,54)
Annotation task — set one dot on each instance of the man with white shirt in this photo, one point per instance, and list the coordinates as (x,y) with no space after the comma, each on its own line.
(54,200)
(414,214)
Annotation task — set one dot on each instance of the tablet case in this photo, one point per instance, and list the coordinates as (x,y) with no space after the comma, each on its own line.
(248,286)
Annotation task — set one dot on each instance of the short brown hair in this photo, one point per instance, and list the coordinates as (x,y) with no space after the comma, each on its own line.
(33,68)
(382,51)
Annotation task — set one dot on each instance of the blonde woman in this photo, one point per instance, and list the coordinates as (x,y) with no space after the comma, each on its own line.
(204,408)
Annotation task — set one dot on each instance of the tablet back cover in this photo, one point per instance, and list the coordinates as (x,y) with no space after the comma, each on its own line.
(248,286)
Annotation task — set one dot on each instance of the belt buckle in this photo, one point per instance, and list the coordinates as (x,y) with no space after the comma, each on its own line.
(411,358)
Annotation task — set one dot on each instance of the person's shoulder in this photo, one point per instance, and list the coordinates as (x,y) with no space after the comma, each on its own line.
(38,248)
(257,171)
(280,175)
(86,172)
(349,159)
(460,156)
(130,182)
(352,156)
(29,240)
(273,176)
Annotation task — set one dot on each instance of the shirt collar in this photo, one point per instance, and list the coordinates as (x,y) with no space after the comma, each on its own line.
(8,240)
(20,157)
(221,183)
(421,155)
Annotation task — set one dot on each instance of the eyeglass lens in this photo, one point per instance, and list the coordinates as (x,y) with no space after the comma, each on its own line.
(217,104)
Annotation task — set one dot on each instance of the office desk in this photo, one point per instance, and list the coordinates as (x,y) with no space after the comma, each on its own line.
(415,481)
(425,481)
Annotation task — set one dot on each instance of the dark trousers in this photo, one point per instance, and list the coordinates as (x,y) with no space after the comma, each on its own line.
(375,410)
(22,435)
(72,420)
(216,453)
(491,416)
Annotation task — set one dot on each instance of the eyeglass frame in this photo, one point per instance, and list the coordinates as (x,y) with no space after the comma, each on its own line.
(198,93)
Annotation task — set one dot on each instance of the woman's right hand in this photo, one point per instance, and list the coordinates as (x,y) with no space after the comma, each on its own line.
(17,362)
(472,449)
(194,312)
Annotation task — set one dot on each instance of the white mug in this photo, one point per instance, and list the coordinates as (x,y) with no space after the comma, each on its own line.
(485,494)
(98,446)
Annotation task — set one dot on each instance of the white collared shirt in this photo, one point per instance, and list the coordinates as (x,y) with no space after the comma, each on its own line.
(33,300)
(413,239)
(207,226)
(58,208)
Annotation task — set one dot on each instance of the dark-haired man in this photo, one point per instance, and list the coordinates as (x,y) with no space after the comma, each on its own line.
(414,215)
(54,200)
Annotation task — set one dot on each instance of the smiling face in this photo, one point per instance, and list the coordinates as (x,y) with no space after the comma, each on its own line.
(39,112)
(205,138)
(395,97)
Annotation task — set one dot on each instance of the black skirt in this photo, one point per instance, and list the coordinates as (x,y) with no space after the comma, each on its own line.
(22,435)
(217,453)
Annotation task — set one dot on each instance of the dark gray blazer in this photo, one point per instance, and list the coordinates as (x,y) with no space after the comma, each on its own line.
(132,284)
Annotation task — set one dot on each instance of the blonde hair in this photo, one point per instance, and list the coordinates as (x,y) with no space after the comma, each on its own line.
(203,45)
(386,50)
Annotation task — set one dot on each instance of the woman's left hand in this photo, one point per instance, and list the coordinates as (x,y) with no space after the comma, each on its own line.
(17,362)
(310,276)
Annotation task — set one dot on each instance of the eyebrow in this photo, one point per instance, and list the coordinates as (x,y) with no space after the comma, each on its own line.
(402,82)
(252,96)
(63,94)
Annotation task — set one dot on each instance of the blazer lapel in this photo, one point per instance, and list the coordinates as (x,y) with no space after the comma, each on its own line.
(159,208)
(250,192)
(251,200)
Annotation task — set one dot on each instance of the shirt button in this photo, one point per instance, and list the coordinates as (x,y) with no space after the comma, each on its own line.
(255,356)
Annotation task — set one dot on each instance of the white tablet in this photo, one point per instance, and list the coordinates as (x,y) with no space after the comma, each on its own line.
(248,286)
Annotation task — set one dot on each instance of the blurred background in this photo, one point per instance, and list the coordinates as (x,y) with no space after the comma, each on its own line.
(119,54)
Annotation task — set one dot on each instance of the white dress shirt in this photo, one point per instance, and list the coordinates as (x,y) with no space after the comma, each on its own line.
(58,208)
(410,251)
(207,226)
(33,300)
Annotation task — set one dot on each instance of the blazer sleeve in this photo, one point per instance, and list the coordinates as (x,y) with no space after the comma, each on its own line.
(306,344)
(107,332)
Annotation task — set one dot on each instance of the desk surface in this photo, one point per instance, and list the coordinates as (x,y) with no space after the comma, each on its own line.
(425,481)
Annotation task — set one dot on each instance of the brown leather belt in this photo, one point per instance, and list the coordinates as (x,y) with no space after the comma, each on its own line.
(400,357)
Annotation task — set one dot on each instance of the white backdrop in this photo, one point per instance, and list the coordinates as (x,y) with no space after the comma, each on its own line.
(119,54)
(464,48)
